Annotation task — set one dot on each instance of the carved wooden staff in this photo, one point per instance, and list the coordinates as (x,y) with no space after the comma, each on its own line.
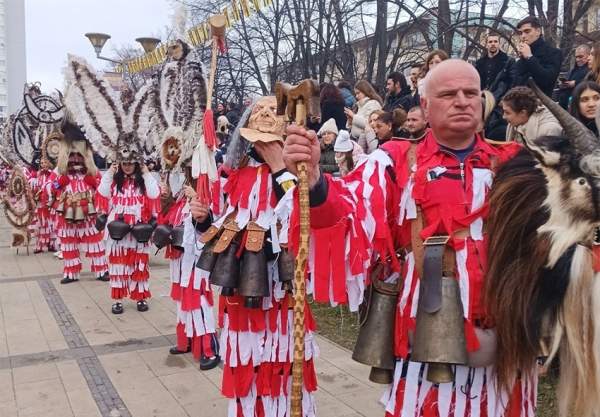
(297,103)
(217,30)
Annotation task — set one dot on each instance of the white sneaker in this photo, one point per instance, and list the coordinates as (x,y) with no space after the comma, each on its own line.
(58,254)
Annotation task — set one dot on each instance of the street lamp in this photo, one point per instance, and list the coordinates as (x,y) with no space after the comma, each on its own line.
(98,40)
(149,44)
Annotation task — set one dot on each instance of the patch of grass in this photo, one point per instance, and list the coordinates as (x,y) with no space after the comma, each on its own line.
(341,326)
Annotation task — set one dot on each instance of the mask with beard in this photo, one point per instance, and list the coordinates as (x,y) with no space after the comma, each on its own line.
(76,163)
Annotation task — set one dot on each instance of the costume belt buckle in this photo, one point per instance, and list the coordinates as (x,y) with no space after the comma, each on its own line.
(436,240)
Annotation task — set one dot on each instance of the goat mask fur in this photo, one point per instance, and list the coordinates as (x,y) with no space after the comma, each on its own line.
(540,286)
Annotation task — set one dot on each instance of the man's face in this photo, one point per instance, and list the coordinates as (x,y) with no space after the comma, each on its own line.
(247,102)
(220,107)
(383,130)
(264,117)
(513,117)
(392,87)
(492,45)
(581,57)
(528,33)
(415,121)
(453,102)
(414,75)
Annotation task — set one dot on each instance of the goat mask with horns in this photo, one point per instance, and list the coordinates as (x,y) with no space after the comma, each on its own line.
(541,287)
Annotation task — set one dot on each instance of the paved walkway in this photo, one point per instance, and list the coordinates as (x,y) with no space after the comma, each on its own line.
(62,353)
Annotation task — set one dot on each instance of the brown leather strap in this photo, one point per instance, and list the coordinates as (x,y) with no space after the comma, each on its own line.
(231,229)
(255,238)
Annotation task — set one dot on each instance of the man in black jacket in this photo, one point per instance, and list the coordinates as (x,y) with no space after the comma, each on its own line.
(491,63)
(398,93)
(537,59)
(575,76)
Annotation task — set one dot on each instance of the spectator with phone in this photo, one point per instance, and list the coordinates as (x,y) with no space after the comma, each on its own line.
(575,76)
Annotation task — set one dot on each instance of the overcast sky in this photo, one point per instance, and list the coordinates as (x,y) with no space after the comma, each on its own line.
(56,27)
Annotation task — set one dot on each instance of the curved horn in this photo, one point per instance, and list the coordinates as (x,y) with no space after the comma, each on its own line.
(581,137)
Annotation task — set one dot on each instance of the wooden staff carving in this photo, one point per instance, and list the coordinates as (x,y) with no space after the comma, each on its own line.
(217,30)
(297,103)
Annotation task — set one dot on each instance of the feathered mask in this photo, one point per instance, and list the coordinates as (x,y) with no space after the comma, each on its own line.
(117,127)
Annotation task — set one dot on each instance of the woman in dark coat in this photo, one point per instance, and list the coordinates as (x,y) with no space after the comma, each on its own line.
(332,105)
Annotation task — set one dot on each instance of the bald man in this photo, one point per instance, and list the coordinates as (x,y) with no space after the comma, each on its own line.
(420,210)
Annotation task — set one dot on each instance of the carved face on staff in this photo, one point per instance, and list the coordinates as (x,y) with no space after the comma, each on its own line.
(264,117)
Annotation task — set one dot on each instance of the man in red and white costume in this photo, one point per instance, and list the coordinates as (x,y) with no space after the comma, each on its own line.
(41,184)
(196,325)
(257,341)
(76,185)
(444,180)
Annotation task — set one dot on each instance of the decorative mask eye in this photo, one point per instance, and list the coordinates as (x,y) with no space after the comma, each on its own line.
(581,181)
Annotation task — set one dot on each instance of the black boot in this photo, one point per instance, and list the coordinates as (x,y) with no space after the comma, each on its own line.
(207,363)
(104,277)
(67,280)
(175,350)
(142,305)
(117,308)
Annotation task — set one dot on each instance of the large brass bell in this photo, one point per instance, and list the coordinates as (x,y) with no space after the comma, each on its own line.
(375,342)
(70,214)
(91,208)
(208,257)
(226,272)
(440,335)
(254,278)
(285,268)
(79,214)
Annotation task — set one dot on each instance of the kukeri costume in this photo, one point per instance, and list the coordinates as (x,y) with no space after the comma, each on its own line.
(76,187)
(245,253)
(178,104)
(41,187)
(116,126)
(23,142)
(408,224)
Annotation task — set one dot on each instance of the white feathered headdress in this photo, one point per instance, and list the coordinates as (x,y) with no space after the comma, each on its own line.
(117,127)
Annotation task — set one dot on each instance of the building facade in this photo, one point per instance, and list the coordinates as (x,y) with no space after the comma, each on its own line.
(13,69)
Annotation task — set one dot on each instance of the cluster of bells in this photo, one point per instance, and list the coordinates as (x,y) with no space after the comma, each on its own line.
(77,211)
(247,277)
(439,338)
(118,228)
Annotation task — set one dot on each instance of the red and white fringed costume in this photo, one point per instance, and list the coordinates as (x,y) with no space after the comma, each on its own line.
(73,236)
(191,292)
(127,258)
(45,231)
(258,344)
(368,215)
